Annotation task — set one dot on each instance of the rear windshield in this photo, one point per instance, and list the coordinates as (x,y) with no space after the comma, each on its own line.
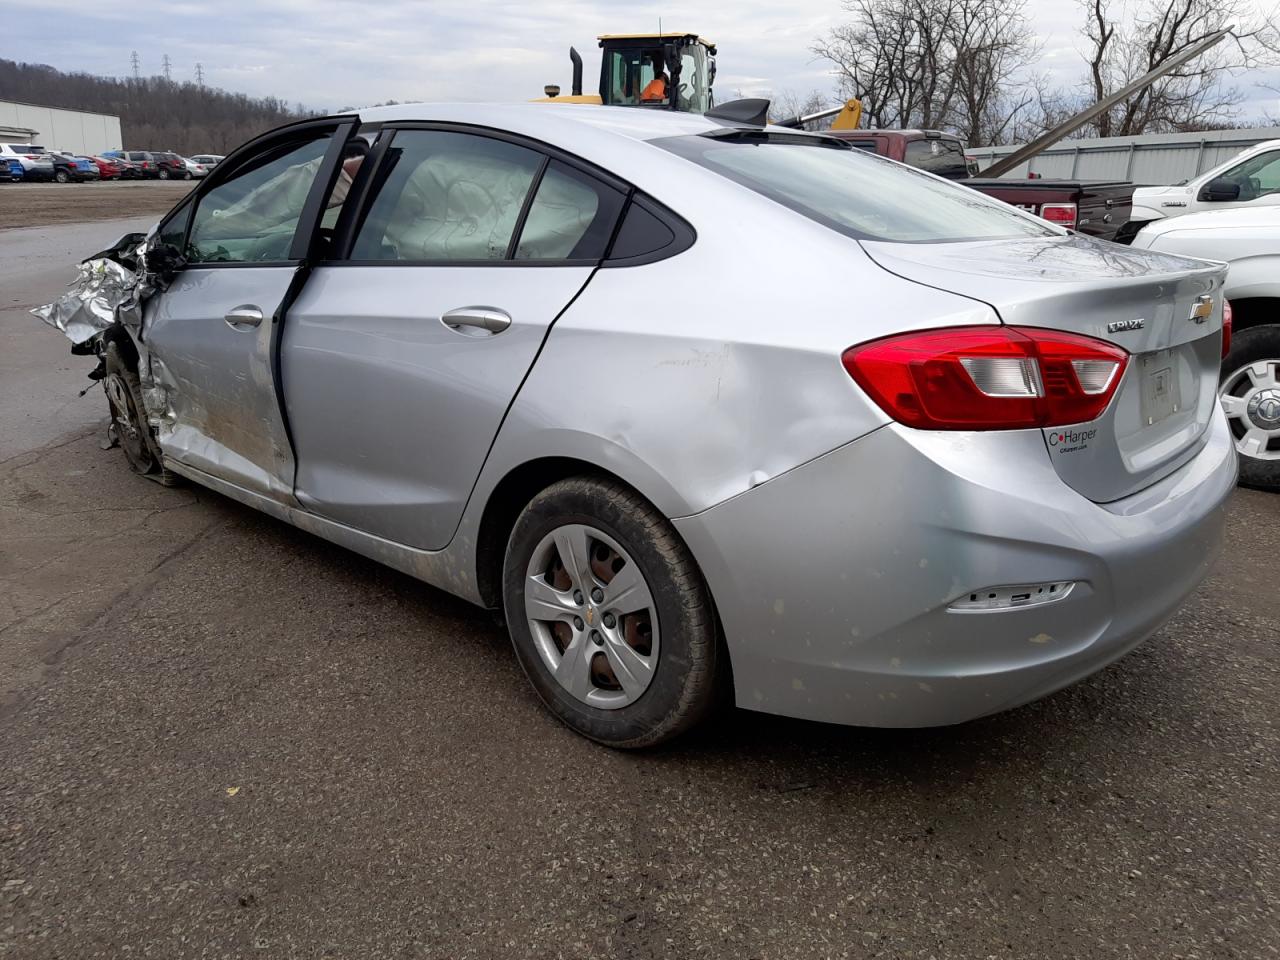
(942,158)
(854,192)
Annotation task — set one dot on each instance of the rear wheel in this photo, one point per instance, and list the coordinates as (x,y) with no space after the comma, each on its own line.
(62,176)
(1250,395)
(164,174)
(609,615)
(128,419)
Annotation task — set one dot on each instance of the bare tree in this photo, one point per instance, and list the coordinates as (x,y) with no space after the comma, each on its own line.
(935,63)
(1196,96)
(789,104)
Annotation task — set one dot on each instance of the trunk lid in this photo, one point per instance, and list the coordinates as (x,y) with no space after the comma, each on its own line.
(1141,301)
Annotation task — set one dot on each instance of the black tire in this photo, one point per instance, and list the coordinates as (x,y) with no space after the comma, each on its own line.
(1249,346)
(685,681)
(62,176)
(124,400)
(163,174)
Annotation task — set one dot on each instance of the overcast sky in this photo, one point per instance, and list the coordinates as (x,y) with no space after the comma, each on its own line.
(328,54)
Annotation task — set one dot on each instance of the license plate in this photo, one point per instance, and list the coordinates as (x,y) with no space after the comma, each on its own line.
(1160,395)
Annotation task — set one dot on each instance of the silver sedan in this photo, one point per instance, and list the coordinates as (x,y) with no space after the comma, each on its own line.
(703,408)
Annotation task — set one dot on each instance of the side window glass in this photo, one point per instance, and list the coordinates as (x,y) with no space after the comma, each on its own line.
(252,216)
(1257,176)
(446,196)
(642,234)
(174,229)
(571,217)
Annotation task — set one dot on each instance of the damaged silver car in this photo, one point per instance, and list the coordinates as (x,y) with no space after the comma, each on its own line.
(701,407)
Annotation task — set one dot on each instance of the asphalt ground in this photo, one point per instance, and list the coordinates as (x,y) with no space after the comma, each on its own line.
(222,737)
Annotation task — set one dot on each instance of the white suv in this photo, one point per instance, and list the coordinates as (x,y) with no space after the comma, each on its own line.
(36,162)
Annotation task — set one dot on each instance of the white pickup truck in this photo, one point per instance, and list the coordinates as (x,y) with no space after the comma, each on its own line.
(1249,241)
(1249,179)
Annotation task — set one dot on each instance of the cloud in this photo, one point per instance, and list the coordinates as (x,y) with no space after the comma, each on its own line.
(329,54)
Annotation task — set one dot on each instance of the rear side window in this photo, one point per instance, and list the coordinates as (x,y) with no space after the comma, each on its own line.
(571,217)
(447,196)
(137,156)
(943,158)
(854,193)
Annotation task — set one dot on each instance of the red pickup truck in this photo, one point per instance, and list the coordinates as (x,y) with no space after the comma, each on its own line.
(1095,208)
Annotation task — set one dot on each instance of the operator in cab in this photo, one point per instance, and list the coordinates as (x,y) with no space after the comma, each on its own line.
(655,90)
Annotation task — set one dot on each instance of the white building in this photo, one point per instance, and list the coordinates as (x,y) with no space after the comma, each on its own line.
(57,129)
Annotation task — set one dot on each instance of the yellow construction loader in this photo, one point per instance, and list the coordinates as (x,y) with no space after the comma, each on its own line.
(673,71)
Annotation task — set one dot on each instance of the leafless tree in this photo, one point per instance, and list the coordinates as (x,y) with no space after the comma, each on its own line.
(789,103)
(952,64)
(1196,96)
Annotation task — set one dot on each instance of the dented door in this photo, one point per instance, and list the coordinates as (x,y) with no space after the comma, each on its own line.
(212,335)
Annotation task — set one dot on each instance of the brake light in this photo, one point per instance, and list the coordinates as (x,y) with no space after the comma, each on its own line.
(1226,327)
(1063,214)
(988,378)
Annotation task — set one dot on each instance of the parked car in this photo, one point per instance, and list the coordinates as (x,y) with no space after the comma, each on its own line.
(10,169)
(1095,208)
(195,170)
(68,168)
(209,160)
(1249,179)
(1248,241)
(527,357)
(143,161)
(109,168)
(170,166)
(35,160)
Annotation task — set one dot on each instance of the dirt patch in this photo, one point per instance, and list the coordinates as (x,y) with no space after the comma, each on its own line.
(38,204)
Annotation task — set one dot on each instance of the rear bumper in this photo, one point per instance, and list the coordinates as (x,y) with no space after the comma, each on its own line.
(833,581)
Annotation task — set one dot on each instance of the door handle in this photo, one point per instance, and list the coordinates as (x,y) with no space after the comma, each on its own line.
(489,319)
(245,315)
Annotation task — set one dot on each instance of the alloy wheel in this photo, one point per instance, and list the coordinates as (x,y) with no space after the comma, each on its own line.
(1251,398)
(592,615)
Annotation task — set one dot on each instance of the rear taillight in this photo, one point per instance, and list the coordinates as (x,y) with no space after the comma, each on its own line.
(1226,327)
(988,378)
(1063,214)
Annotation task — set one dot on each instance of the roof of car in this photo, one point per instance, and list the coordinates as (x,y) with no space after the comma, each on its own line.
(632,122)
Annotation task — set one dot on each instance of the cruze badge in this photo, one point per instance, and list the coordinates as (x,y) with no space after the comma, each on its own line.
(1119,326)
(1202,309)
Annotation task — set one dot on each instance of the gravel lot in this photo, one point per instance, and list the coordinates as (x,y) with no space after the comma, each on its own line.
(223,737)
(37,204)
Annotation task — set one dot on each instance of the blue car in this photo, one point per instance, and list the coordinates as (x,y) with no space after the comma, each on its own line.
(68,168)
(10,170)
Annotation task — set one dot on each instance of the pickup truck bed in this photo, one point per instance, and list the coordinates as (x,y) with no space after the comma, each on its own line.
(1101,206)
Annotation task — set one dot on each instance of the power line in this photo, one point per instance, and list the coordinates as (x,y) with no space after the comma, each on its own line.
(133,59)
(165,64)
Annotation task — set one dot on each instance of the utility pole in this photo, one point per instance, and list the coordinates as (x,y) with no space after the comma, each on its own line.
(133,59)
(165,64)
(200,75)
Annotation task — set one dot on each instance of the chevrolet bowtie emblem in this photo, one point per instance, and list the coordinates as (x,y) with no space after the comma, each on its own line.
(1202,309)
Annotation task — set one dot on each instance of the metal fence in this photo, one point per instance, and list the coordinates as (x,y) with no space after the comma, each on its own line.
(1153,159)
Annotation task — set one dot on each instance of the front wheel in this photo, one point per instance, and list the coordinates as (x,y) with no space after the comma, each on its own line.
(128,417)
(609,615)
(1250,395)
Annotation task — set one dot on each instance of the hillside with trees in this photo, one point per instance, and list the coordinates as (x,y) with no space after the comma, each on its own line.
(155,113)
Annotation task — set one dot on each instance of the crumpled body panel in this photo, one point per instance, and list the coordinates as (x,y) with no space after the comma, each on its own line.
(104,292)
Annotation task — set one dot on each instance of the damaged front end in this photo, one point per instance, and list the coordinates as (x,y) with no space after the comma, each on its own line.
(105,305)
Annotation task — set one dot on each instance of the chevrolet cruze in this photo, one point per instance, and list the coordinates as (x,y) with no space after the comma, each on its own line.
(702,407)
